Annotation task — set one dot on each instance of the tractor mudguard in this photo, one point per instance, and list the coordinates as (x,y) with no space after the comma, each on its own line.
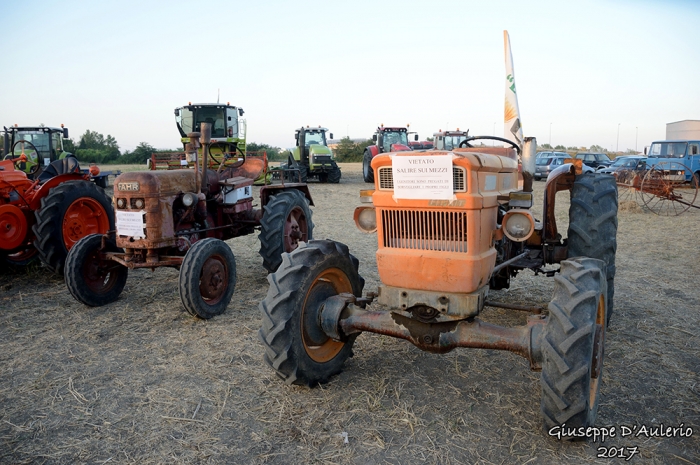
(43,191)
(272,189)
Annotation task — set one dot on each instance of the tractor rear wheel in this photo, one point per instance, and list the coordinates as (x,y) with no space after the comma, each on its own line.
(285,223)
(593,224)
(91,279)
(71,211)
(207,278)
(334,174)
(25,257)
(573,345)
(296,346)
(367,172)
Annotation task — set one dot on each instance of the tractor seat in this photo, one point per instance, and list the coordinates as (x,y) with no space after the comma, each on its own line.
(67,165)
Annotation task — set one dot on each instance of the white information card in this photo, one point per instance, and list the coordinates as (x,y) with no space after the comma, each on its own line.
(422,176)
(130,224)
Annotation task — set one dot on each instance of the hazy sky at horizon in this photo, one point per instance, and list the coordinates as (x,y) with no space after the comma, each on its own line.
(582,68)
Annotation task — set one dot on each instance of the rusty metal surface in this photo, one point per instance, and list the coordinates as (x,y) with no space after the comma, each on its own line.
(523,308)
(449,305)
(446,336)
(133,261)
(561,178)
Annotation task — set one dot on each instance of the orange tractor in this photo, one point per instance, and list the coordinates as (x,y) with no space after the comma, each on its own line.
(44,218)
(451,226)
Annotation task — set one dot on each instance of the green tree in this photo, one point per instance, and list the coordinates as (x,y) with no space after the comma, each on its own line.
(273,153)
(545,147)
(141,153)
(349,151)
(101,149)
(560,147)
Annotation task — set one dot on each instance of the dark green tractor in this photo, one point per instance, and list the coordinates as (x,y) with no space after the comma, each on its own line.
(312,156)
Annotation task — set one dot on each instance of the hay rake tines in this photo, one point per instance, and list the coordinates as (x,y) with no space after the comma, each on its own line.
(665,191)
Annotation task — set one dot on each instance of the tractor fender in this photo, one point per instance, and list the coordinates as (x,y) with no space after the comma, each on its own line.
(560,179)
(267,191)
(373,150)
(45,188)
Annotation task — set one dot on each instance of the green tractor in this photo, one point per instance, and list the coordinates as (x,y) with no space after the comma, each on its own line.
(312,156)
(35,146)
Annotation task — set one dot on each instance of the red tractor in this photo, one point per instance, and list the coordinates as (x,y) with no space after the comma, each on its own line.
(44,218)
(387,140)
(181,218)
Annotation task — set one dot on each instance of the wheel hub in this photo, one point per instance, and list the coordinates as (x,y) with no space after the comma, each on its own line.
(214,277)
(84,216)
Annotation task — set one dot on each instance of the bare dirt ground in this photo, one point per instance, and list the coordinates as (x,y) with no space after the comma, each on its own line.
(141,381)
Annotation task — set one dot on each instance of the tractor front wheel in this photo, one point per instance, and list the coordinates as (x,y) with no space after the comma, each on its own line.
(207,278)
(90,278)
(71,211)
(285,223)
(367,172)
(334,174)
(296,347)
(573,345)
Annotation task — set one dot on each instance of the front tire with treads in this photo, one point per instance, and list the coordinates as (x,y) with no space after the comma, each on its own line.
(573,343)
(296,347)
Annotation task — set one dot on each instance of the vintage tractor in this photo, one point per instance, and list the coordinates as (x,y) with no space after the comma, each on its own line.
(451,225)
(312,156)
(44,218)
(387,139)
(180,218)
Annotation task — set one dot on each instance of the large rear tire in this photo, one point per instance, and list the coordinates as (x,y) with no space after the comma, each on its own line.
(296,347)
(71,211)
(285,223)
(573,345)
(367,173)
(207,278)
(90,279)
(593,224)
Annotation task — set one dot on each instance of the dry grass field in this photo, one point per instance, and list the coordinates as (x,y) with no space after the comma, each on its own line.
(140,381)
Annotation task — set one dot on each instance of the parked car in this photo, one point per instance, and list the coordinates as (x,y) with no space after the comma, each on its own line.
(594,160)
(626,167)
(544,165)
(551,153)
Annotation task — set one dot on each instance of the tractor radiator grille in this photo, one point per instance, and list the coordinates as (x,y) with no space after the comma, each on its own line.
(459,179)
(425,230)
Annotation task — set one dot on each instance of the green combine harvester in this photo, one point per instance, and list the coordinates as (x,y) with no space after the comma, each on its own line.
(312,156)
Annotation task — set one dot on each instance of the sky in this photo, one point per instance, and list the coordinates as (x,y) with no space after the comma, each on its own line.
(610,73)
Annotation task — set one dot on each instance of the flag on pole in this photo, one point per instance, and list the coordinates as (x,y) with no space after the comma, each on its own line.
(512,127)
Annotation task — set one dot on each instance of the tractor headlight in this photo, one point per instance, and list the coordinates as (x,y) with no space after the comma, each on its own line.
(366,219)
(137,204)
(121,203)
(189,199)
(518,225)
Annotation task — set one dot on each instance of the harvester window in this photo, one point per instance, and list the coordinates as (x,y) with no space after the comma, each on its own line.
(56,142)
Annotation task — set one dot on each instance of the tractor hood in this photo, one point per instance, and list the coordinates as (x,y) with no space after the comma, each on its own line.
(319,150)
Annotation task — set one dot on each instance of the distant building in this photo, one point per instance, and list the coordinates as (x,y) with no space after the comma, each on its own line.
(683,130)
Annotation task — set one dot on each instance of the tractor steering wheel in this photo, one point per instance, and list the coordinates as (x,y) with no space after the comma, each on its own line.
(465,142)
(11,155)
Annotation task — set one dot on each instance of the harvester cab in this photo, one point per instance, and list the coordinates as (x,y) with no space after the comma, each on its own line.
(312,156)
(453,225)
(228,129)
(448,140)
(386,139)
(34,147)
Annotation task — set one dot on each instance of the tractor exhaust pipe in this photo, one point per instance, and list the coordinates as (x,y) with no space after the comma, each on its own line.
(5,143)
(528,160)
(206,141)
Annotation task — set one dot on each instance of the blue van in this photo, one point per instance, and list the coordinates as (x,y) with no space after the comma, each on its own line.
(666,152)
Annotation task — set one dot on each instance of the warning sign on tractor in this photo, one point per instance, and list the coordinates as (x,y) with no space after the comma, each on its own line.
(423,177)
